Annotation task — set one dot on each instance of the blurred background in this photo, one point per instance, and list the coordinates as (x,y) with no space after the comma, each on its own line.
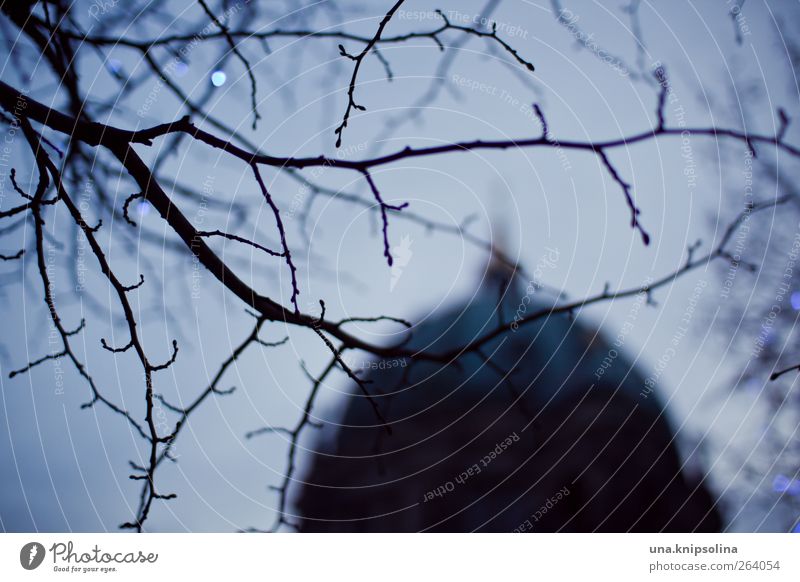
(708,343)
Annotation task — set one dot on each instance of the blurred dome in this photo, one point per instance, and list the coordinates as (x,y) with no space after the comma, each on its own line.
(528,435)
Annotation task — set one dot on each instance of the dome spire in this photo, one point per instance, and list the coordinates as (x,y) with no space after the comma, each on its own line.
(501,268)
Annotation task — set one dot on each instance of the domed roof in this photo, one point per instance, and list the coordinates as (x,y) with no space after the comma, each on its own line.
(546,361)
(485,441)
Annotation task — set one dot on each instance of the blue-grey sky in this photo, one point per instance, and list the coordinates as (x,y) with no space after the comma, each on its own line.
(65,468)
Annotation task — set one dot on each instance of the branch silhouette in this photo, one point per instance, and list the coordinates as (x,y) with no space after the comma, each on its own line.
(69,138)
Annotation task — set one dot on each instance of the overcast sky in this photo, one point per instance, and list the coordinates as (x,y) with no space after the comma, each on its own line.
(66,469)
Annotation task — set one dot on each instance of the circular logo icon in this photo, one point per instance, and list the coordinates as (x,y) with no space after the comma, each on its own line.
(31,555)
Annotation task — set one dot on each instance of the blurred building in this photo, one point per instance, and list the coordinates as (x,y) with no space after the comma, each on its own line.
(550,428)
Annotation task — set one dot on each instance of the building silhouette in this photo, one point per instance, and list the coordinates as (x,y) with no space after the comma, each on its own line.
(528,435)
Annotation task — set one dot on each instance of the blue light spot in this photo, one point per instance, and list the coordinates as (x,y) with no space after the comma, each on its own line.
(182,68)
(796,528)
(143,207)
(113,66)
(218,78)
(796,300)
(783,484)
